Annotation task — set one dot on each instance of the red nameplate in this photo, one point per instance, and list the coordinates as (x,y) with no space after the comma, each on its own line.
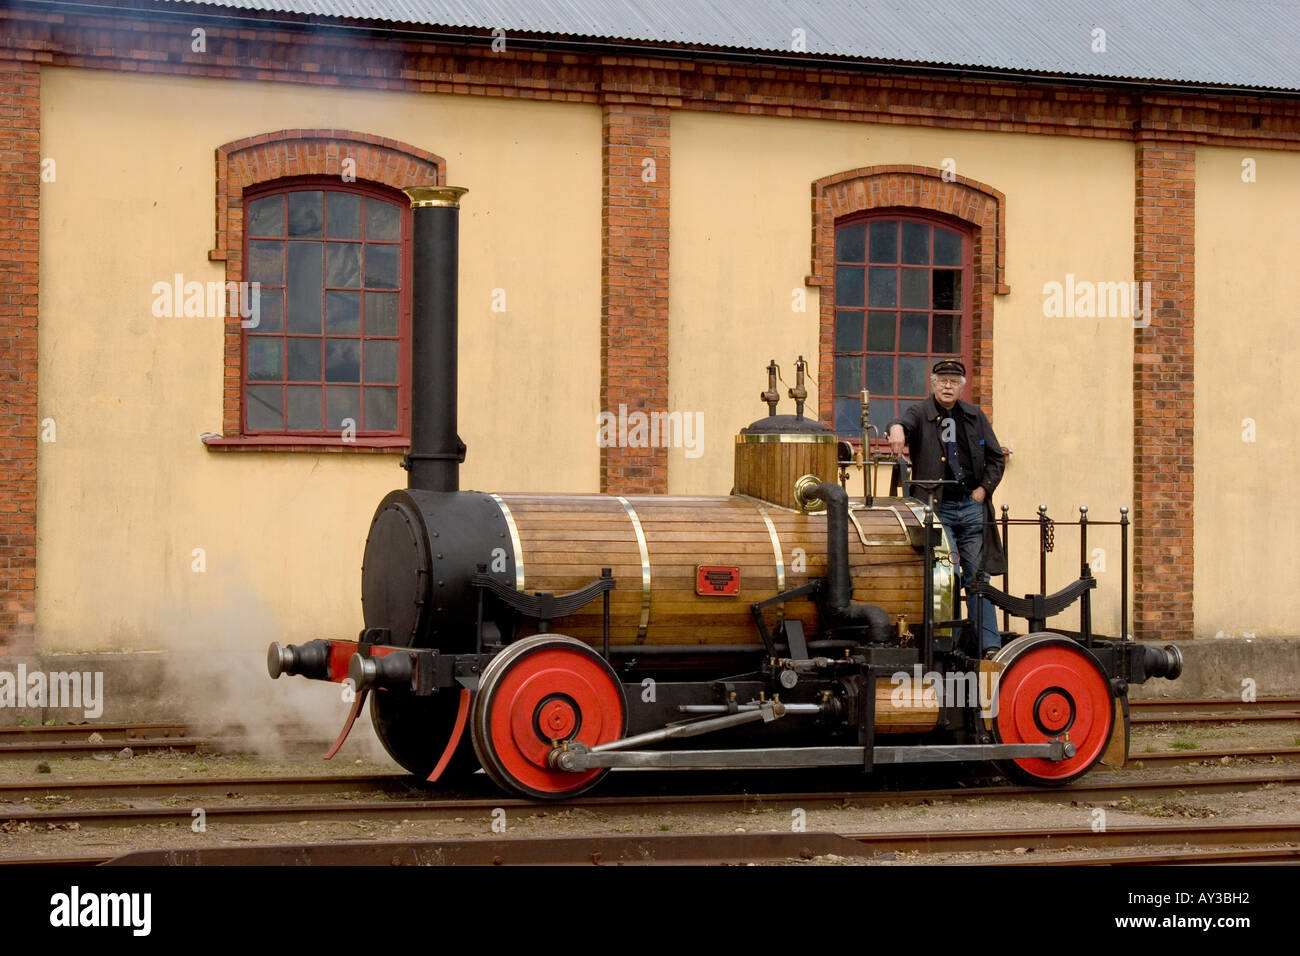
(715,581)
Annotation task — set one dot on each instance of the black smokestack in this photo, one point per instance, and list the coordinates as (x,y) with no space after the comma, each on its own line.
(436,450)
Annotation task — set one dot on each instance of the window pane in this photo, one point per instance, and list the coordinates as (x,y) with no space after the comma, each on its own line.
(848,415)
(304,407)
(304,288)
(848,374)
(880,375)
(884,241)
(848,285)
(880,331)
(916,288)
(947,334)
(912,377)
(947,248)
(381,361)
(343,313)
(381,313)
(304,360)
(266,216)
(306,214)
(851,244)
(916,243)
(344,215)
(264,408)
(342,360)
(270,316)
(383,220)
(848,331)
(266,263)
(882,411)
(265,359)
(381,266)
(343,264)
(341,403)
(914,336)
(884,288)
(381,409)
(947,289)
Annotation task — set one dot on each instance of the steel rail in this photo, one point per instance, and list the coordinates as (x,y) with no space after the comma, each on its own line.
(436,810)
(1215,838)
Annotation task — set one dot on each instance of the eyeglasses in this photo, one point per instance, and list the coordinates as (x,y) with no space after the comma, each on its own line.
(954,382)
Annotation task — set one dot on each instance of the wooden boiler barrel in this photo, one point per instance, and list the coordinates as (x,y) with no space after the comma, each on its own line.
(655,547)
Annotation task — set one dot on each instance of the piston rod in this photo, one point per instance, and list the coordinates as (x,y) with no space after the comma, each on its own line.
(562,759)
(723,708)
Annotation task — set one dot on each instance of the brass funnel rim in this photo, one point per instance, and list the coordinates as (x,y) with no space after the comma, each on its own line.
(426,196)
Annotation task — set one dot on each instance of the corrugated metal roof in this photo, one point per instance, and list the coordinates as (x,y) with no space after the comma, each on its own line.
(1244,43)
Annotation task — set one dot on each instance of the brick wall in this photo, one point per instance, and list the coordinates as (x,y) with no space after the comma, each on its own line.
(637,94)
(1163,382)
(20,172)
(634,286)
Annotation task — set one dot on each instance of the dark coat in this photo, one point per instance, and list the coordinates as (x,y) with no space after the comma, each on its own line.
(922,424)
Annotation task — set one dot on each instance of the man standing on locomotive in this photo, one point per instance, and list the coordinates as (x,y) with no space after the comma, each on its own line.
(951,439)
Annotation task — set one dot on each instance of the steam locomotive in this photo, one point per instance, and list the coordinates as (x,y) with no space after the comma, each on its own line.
(551,638)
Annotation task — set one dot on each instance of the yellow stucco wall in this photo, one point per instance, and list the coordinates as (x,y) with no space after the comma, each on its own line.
(1246,354)
(127,491)
(1062,387)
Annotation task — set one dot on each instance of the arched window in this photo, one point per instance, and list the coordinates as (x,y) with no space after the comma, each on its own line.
(330,353)
(902,299)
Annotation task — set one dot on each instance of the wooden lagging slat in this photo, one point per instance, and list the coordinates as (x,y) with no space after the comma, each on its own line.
(916,711)
(566,540)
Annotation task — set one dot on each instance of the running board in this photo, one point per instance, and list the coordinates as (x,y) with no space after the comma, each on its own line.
(578,759)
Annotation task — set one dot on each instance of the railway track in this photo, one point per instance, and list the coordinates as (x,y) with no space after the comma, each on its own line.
(90,738)
(1274,843)
(403,784)
(403,802)
(81,739)
(1213,710)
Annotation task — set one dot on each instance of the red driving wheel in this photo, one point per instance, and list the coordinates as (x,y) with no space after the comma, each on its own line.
(538,690)
(1051,687)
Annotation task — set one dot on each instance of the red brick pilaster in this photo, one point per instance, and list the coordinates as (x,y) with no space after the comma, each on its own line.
(20,187)
(634,286)
(981,207)
(1163,380)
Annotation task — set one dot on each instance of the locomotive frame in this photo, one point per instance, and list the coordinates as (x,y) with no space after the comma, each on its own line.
(462,667)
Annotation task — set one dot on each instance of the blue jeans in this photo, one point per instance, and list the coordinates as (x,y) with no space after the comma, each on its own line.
(963,523)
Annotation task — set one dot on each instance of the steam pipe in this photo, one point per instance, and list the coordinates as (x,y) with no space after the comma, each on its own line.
(436,450)
(839,581)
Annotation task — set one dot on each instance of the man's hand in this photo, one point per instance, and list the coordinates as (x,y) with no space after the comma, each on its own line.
(979,494)
(897,439)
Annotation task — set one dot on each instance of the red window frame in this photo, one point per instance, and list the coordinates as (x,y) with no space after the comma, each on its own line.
(966,312)
(282,187)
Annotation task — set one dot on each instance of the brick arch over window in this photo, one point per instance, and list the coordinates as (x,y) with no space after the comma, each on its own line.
(904,189)
(298,152)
